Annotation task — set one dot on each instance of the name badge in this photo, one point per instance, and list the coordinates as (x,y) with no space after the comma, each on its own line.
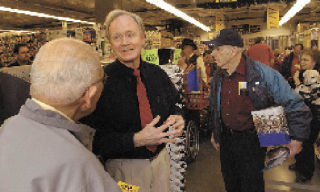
(242,88)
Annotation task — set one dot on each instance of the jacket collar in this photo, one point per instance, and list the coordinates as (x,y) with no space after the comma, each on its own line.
(123,69)
(252,73)
(33,111)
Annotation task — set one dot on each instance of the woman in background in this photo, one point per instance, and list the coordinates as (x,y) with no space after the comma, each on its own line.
(304,166)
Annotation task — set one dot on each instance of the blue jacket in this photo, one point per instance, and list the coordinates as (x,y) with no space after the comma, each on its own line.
(266,88)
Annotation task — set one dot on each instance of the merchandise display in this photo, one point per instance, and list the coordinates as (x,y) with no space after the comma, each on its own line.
(7,42)
(177,163)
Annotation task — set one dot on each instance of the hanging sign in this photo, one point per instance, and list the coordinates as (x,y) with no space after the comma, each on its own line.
(150,56)
(219,22)
(176,56)
(272,17)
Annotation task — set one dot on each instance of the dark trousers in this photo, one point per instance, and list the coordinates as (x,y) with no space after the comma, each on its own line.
(305,159)
(242,161)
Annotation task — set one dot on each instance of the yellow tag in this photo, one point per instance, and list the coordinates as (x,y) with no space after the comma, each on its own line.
(125,187)
(242,85)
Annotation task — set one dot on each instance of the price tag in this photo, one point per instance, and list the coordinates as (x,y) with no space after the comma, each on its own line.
(150,56)
(125,187)
(176,56)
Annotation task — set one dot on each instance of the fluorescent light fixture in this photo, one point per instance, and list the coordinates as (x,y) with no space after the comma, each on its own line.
(44,15)
(293,10)
(16,31)
(20,31)
(178,13)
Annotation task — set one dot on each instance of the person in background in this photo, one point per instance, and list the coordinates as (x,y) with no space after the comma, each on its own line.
(304,166)
(190,57)
(314,45)
(287,50)
(290,64)
(186,62)
(309,61)
(44,148)
(261,52)
(14,90)
(136,107)
(21,52)
(234,134)
(277,61)
(209,64)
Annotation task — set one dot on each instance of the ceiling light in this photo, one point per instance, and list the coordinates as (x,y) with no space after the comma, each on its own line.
(44,15)
(178,13)
(293,10)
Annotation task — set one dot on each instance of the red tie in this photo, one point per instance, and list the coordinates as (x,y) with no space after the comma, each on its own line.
(144,105)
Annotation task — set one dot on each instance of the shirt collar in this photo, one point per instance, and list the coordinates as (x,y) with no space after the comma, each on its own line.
(241,69)
(127,70)
(48,107)
(124,68)
(32,110)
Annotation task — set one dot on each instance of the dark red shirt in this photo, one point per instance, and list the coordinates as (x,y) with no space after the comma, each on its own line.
(261,52)
(236,109)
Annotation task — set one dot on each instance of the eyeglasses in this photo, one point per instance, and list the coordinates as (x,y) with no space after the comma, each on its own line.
(305,60)
(119,37)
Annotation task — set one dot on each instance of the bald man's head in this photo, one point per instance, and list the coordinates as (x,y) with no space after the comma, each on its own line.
(63,69)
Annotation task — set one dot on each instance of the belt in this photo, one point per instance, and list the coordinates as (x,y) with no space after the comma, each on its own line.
(236,132)
(227,129)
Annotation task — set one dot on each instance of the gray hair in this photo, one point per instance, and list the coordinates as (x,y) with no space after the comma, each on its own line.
(63,69)
(117,13)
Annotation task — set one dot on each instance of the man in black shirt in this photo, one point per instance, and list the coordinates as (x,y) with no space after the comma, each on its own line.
(14,90)
(136,107)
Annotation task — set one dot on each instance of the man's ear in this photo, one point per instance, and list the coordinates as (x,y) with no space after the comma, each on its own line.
(87,97)
(236,50)
(143,37)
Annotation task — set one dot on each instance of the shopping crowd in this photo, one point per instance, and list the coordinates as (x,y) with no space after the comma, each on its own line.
(122,112)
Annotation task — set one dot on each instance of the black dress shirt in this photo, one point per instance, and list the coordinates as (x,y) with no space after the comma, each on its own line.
(117,118)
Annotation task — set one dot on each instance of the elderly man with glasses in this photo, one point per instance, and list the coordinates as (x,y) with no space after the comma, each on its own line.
(44,148)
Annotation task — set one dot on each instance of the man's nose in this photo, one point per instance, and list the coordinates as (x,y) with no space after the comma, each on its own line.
(124,40)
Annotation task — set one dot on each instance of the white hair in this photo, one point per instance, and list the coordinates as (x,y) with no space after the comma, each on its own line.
(63,69)
(117,13)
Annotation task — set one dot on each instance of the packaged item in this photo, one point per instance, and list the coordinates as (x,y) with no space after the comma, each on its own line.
(271,126)
(276,157)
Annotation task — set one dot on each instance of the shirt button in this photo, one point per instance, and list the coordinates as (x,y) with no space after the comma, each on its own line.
(229,92)
(227,114)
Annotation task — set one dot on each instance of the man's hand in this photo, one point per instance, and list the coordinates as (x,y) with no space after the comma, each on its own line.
(215,145)
(178,123)
(295,147)
(151,135)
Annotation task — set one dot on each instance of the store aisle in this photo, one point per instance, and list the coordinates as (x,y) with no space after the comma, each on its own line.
(204,175)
